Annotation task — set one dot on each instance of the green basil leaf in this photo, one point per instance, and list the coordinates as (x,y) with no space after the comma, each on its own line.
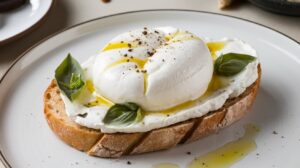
(70,77)
(123,114)
(232,63)
(76,81)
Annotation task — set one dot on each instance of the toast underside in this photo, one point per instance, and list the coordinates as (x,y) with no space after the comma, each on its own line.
(117,144)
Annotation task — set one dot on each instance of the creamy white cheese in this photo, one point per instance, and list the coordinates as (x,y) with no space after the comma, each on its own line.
(94,115)
(178,70)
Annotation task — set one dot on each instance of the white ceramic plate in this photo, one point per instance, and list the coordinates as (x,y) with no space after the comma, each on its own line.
(27,141)
(18,21)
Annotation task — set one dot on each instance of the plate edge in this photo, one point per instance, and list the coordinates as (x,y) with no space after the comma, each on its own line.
(2,156)
(31,28)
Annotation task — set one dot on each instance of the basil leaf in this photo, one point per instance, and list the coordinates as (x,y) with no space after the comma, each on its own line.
(232,63)
(76,81)
(70,77)
(123,114)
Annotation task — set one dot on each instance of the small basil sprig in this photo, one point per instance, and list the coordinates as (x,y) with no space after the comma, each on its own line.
(232,63)
(70,77)
(123,114)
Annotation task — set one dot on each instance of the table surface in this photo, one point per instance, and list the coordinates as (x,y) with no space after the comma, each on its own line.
(70,12)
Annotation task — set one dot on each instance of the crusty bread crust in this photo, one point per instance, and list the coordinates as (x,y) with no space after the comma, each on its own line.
(100,144)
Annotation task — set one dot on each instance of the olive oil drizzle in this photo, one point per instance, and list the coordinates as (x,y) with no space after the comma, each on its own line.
(215,84)
(145,83)
(180,36)
(165,165)
(90,86)
(214,47)
(172,38)
(225,156)
(100,100)
(230,153)
(139,62)
(118,45)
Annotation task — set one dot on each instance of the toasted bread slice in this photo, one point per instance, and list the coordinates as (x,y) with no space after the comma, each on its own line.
(117,144)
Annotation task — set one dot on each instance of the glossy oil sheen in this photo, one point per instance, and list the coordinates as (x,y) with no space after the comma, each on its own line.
(139,62)
(214,47)
(230,153)
(166,165)
(112,46)
(216,83)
